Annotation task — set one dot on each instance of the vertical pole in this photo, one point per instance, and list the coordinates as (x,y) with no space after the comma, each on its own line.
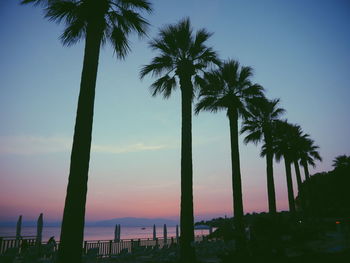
(85,247)
(110,247)
(165,234)
(177,234)
(154,232)
(116,233)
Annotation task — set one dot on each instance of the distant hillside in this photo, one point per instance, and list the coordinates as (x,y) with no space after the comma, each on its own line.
(124,221)
(133,221)
(28,223)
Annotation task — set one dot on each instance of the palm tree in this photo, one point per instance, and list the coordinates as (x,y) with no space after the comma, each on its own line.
(282,147)
(97,21)
(308,154)
(228,88)
(297,142)
(262,113)
(183,56)
(341,162)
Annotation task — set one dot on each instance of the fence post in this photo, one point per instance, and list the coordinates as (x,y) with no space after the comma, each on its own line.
(1,245)
(131,246)
(85,247)
(110,247)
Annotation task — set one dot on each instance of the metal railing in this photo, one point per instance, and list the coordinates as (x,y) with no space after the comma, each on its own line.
(105,247)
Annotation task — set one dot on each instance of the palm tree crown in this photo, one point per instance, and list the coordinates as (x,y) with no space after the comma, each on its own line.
(261,114)
(309,152)
(115,18)
(341,161)
(228,88)
(181,55)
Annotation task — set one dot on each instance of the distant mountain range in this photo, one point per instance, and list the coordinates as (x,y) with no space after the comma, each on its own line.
(124,221)
(134,221)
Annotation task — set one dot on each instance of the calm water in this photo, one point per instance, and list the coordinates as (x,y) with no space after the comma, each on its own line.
(97,233)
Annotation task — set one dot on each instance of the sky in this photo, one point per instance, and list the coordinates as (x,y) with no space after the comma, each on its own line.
(300,53)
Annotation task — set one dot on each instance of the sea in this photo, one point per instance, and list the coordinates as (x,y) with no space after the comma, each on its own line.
(98,233)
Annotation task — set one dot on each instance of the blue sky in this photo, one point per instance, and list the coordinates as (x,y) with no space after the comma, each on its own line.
(300,53)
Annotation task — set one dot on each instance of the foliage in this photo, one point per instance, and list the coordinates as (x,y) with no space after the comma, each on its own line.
(327,193)
(341,162)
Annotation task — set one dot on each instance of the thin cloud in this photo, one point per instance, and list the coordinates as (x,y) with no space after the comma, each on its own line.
(138,147)
(31,145)
(27,145)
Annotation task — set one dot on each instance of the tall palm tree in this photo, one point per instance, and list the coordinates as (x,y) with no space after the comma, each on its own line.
(282,147)
(183,56)
(297,141)
(262,113)
(96,21)
(228,88)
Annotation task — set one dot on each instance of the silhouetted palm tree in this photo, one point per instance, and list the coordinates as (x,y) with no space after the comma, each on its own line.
(182,57)
(96,21)
(341,161)
(297,142)
(262,113)
(308,154)
(282,147)
(228,88)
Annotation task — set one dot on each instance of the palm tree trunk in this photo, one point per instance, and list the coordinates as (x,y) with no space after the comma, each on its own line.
(72,230)
(297,174)
(289,186)
(236,181)
(301,190)
(187,251)
(269,173)
(306,171)
(307,192)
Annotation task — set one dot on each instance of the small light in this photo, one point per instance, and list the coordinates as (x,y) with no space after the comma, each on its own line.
(337,222)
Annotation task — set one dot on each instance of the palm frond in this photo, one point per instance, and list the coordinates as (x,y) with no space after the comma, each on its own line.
(64,10)
(74,32)
(132,21)
(164,86)
(137,4)
(157,66)
(208,103)
(254,137)
(43,3)
(120,42)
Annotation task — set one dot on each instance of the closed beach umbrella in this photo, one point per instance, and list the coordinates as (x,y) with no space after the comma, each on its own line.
(165,234)
(116,233)
(119,232)
(154,232)
(19,227)
(177,233)
(39,229)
